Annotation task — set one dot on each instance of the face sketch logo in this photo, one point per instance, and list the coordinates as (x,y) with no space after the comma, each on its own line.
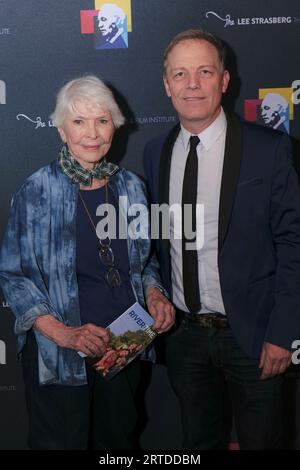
(109,23)
(274,108)
(2,92)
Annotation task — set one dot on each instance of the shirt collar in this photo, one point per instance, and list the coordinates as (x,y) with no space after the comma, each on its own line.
(210,135)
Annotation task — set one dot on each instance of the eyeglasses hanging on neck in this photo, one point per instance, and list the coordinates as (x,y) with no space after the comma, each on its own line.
(107,257)
(106,253)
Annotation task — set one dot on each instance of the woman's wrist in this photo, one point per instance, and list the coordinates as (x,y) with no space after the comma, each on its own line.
(53,329)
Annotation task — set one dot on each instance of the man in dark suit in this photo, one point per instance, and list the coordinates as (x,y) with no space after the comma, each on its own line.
(238,297)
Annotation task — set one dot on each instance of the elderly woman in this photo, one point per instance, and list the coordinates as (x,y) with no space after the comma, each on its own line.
(65,284)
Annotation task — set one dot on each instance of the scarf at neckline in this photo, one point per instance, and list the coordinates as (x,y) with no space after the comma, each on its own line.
(78,174)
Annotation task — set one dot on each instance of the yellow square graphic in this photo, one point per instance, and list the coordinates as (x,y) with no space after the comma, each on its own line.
(285,92)
(124,4)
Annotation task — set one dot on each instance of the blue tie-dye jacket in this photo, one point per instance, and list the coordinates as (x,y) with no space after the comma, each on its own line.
(38,261)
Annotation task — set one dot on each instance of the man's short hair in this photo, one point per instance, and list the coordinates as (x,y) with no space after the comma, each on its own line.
(196,34)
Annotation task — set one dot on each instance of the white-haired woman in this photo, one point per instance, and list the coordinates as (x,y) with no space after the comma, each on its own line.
(65,284)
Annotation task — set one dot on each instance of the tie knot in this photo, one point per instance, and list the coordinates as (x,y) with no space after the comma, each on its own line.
(194,141)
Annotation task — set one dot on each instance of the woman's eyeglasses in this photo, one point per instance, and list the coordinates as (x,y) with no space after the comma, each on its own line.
(107,258)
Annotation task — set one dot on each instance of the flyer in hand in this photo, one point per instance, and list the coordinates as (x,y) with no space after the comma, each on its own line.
(129,335)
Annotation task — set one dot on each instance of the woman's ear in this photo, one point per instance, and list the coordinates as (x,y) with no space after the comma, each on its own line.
(62,134)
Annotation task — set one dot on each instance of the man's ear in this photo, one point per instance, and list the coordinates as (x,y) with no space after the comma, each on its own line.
(225,81)
(167,88)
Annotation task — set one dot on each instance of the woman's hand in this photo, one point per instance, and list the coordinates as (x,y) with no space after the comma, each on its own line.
(89,338)
(160,309)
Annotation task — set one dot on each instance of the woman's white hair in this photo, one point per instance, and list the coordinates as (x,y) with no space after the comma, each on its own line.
(89,90)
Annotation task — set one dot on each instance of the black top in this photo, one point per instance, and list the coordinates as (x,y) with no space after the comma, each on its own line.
(99,302)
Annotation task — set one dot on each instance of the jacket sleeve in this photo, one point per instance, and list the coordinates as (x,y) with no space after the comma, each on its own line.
(284,323)
(21,277)
(151,272)
(151,276)
(140,232)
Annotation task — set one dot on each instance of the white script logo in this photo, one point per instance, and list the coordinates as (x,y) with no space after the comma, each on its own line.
(37,121)
(227,20)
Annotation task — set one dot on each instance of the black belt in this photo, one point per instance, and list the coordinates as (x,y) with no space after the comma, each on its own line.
(207,320)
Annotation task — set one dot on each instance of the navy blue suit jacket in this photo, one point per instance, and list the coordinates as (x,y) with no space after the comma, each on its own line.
(259,231)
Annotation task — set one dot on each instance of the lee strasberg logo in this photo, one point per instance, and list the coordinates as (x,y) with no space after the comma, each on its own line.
(109,23)
(274,107)
(227,20)
(2,92)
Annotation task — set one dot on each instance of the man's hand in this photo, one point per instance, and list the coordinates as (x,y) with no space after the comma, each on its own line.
(160,309)
(273,360)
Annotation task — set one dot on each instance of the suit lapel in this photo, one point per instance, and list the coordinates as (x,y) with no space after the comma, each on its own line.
(163,189)
(230,175)
(165,165)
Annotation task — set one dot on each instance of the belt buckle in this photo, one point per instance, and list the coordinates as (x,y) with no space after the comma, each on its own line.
(222,322)
(216,322)
(206,320)
(213,321)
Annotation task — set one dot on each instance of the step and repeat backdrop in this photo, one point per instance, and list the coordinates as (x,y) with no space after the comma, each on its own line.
(44,43)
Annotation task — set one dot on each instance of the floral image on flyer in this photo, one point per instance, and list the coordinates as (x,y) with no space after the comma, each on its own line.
(129,335)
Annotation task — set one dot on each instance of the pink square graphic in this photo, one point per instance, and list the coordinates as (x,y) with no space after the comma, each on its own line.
(250,109)
(87,21)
